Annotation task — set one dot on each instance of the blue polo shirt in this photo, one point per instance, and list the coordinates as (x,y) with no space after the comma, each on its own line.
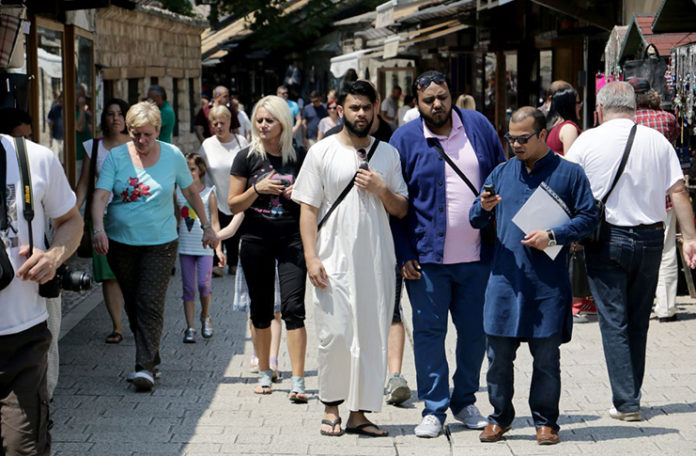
(529,295)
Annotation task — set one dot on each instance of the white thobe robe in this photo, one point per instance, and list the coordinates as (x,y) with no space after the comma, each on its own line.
(353,314)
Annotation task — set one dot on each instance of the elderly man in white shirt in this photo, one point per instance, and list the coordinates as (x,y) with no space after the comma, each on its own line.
(623,265)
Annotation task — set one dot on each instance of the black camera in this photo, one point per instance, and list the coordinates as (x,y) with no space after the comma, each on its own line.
(65,279)
(285,182)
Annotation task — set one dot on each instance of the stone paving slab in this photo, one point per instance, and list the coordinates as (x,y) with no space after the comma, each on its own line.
(204,404)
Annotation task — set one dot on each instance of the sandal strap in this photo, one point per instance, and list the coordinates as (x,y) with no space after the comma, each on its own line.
(298,385)
(266,378)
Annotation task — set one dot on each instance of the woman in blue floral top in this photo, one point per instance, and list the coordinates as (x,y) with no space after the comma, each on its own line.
(138,233)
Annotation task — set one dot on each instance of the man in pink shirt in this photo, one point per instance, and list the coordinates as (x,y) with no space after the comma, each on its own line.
(444,261)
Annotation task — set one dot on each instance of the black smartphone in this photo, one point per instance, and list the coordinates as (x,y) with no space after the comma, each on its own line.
(489,189)
(363,165)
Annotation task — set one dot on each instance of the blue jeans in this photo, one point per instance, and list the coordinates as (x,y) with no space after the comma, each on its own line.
(545,390)
(457,289)
(623,270)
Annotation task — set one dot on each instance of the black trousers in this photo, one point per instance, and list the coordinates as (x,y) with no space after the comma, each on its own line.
(143,272)
(231,245)
(258,260)
(23,392)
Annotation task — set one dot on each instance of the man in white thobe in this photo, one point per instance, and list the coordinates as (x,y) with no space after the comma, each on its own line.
(351,260)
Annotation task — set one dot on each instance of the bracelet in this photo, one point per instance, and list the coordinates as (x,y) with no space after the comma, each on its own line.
(98,230)
(257,192)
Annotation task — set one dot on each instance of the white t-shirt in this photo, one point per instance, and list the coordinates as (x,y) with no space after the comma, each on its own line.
(21,307)
(391,107)
(411,114)
(219,158)
(102,153)
(244,123)
(190,229)
(402,112)
(652,168)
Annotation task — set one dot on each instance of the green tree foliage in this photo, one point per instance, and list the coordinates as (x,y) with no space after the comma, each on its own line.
(277,27)
(178,6)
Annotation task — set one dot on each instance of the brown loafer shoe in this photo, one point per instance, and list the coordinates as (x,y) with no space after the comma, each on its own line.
(547,435)
(493,433)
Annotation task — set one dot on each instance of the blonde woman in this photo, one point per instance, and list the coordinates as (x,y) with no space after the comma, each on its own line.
(261,183)
(219,151)
(138,233)
(466,102)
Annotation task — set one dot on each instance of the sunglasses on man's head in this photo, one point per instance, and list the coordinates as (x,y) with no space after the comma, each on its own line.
(425,81)
(521,140)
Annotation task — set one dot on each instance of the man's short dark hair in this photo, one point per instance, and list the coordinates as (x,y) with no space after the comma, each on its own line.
(361,88)
(159,91)
(425,76)
(314,94)
(11,118)
(529,111)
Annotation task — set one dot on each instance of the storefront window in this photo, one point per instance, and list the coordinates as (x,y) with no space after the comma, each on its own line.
(50,84)
(84,104)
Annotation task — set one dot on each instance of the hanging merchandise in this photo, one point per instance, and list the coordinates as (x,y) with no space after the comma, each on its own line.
(650,67)
(681,81)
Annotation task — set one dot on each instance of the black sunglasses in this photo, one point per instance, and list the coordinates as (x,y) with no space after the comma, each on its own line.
(522,140)
(425,81)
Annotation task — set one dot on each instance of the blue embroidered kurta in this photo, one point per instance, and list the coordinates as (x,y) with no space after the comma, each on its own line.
(529,295)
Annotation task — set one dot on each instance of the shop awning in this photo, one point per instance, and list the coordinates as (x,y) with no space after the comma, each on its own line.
(675,16)
(213,40)
(342,63)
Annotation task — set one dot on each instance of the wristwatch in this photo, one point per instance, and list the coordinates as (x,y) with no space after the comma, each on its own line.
(206,225)
(552,238)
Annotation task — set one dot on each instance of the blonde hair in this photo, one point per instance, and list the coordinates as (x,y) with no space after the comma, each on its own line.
(279,109)
(220,111)
(143,113)
(466,102)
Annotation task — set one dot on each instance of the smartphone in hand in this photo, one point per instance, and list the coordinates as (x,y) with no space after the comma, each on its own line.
(489,189)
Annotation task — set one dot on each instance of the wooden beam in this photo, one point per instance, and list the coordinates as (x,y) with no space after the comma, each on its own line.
(606,22)
(69,108)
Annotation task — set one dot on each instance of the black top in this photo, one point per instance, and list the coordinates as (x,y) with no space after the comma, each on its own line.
(270,216)
(383,133)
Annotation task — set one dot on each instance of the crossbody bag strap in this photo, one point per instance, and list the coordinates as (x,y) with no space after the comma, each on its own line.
(622,165)
(348,187)
(436,144)
(92,176)
(27,196)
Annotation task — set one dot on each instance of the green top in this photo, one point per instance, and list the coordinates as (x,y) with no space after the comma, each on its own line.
(168,120)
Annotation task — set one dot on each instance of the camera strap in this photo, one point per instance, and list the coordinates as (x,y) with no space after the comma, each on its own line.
(27,195)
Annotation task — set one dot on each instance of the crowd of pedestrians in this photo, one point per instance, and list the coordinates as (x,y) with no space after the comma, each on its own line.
(344,201)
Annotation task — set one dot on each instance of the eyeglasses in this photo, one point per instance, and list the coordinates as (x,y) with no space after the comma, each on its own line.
(331,109)
(521,140)
(425,81)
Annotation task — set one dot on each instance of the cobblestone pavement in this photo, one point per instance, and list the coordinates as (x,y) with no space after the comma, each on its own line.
(204,404)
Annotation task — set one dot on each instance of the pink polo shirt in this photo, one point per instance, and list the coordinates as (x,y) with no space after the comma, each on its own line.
(462,241)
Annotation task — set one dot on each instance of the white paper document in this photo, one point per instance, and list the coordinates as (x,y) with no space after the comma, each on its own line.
(541,212)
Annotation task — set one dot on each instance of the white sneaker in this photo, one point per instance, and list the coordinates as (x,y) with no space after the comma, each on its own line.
(131,376)
(397,390)
(430,427)
(625,416)
(207,327)
(143,381)
(471,417)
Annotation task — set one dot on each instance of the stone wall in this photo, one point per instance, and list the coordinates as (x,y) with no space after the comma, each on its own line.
(148,44)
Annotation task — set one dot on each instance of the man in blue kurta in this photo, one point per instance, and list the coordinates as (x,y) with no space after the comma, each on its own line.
(528,297)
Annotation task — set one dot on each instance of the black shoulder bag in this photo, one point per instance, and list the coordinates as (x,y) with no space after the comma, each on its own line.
(488,234)
(594,237)
(345,191)
(6,270)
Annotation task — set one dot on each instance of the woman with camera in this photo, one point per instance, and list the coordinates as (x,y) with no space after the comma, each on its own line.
(260,186)
(113,127)
(138,233)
